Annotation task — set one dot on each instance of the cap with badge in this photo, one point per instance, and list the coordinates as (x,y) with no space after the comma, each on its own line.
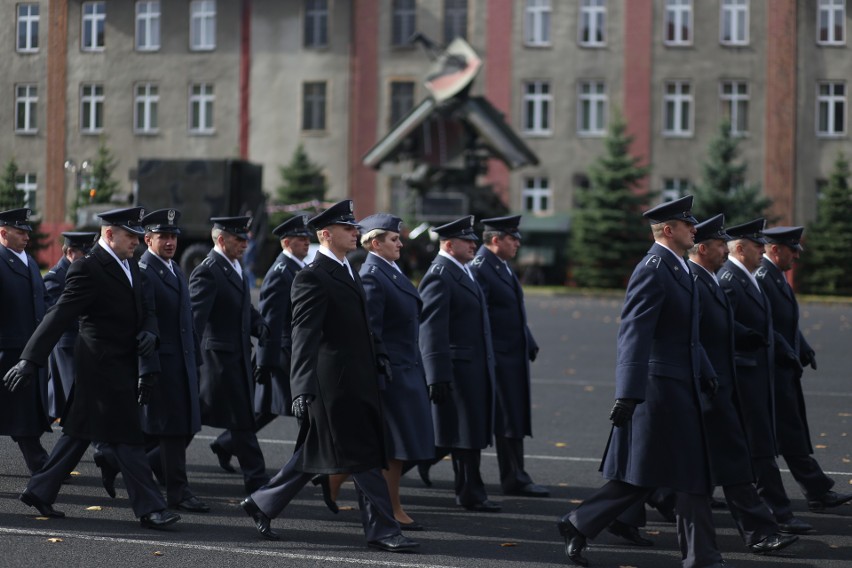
(18,218)
(712,229)
(341,213)
(508,225)
(458,229)
(382,222)
(677,210)
(790,236)
(752,230)
(293,227)
(237,226)
(162,221)
(129,219)
(80,240)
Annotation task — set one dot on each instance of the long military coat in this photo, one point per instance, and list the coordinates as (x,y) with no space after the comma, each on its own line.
(794,437)
(393,307)
(23,412)
(173,409)
(334,360)
(455,342)
(659,364)
(224,321)
(755,373)
(513,343)
(60,364)
(102,405)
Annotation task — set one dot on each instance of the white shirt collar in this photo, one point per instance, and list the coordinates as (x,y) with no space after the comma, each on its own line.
(125,266)
(715,278)
(289,255)
(744,269)
(383,259)
(325,251)
(676,255)
(770,260)
(233,263)
(168,263)
(456,262)
(22,255)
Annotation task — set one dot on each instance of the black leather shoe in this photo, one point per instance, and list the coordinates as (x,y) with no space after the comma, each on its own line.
(159,519)
(773,543)
(487,506)
(261,521)
(575,542)
(108,474)
(423,470)
(529,490)
(412,526)
(629,533)
(322,481)
(193,505)
(44,509)
(827,501)
(395,543)
(223,457)
(795,526)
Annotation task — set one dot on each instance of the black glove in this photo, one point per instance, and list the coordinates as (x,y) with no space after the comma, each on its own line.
(440,392)
(261,332)
(20,375)
(709,386)
(533,354)
(145,387)
(622,411)
(300,406)
(809,358)
(791,361)
(145,343)
(751,340)
(384,367)
(262,374)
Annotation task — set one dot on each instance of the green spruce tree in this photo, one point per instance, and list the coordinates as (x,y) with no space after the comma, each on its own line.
(828,240)
(608,233)
(102,182)
(13,198)
(723,188)
(302,181)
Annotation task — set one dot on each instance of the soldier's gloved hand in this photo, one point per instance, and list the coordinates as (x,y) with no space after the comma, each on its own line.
(300,406)
(791,361)
(809,358)
(262,374)
(622,411)
(261,333)
(533,354)
(145,387)
(440,392)
(20,375)
(145,343)
(384,367)
(752,340)
(709,386)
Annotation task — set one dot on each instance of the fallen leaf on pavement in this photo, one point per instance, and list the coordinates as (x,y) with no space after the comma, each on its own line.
(75,473)
(346,508)
(157,553)
(94,508)
(54,540)
(560,444)
(507,544)
(575,501)
(820,446)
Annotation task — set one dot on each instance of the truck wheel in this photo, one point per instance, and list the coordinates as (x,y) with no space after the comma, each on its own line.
(193,256)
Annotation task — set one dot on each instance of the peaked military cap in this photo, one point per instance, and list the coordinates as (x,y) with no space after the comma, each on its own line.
(82,241)
(677,210)
(381,221)
(712,228)
(129,219)
(162,221)
(508,225)
(341,213)
(237,226)
(790,236)
(17,218)
(293,227)
(753,231)
(458,229)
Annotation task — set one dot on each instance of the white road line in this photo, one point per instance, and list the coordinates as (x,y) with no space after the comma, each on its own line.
(225,549)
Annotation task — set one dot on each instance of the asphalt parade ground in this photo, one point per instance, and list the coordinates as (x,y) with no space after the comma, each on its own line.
(572,395)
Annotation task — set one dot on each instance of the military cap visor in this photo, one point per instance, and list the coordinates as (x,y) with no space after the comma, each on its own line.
(18,218)
(341,213)
(294,227)
(79,240)
(381,222)
(712,229)
(237,226)
(129,219)
(790,236)
(752,230)
(162,221)
(458,229)
(677,210)
(508,225)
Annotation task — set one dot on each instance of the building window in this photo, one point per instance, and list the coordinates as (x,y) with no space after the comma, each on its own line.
(27,41)
(26,104)
(734,24)
(316,23)
(831,22)
(537,197)
(27,183)
(91,108)
(455,20)
(537,22)
(591,117)
(831,109)
(678,22)
(734,96)
(403,21)
(593,23)
(538,104)
(674,188)
(313,106)
(677,108)
(401,100)
(147,26)
(201,99)
(145,108)
(202,25)
(94,20)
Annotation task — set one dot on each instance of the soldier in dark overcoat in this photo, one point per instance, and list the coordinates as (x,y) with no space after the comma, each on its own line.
(792,353)
(514,349)
(117,325)
(455,343)
(23,414)
(224,320)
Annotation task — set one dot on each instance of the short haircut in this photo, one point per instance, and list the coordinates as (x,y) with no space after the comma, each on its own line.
(367,238)
(215,232)
(489,234)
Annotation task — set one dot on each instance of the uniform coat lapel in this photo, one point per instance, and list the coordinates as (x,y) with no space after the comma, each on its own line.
(12,260)
(396,277)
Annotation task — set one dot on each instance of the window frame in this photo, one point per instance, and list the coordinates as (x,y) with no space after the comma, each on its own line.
(455,18)
(598,104)
(538,23)
(95,19)
(308,108)
(30,107)
(28,183)
(830,8)
(150,20)
(29,22)
(677,9)
(206,106)
(678,100)
(680,186)
(198,17)
(535,191)
(393,102)
(317,19)
(542,109)
(731,103)
(96,103)
(595,12)
(150,108)
(831,102)
(404,15)
(727,10)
